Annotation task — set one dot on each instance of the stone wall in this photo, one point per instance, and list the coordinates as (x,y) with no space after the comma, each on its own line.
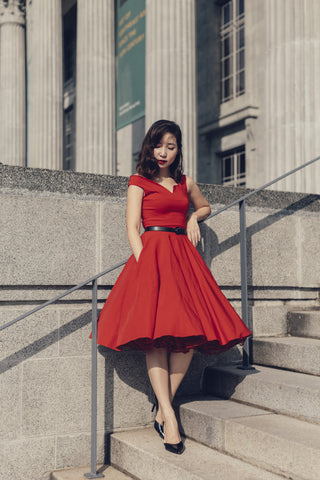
(59,228)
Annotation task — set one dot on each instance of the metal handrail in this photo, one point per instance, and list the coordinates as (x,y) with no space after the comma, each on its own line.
(94,280)
(63,294)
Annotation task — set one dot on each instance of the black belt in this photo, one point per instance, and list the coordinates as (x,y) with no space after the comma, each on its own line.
(176,230)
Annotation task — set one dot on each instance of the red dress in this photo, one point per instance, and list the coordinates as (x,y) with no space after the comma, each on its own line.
(169,297)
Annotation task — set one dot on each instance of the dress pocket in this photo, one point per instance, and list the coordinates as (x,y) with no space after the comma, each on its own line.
(139,259)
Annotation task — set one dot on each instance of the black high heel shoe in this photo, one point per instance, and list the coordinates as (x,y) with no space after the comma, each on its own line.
(157,426)
(177,448)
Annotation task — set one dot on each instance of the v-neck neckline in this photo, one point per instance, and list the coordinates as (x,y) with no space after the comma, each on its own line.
(157,183)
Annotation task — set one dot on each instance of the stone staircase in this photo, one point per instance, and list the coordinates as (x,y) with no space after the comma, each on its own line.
(250,425)
(300,351)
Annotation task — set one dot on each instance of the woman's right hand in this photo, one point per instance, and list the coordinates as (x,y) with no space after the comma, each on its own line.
(137,255)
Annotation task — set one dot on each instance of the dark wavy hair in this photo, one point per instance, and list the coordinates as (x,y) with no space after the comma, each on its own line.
(147,165)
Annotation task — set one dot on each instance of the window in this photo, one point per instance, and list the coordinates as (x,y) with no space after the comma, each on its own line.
(232,50)
(234,167)
(69,86)
(68,159)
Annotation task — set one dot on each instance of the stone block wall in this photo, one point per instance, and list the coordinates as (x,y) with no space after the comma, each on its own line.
(58,229)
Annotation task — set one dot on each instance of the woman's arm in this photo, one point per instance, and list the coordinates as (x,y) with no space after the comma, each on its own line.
(134,204)
(201,211)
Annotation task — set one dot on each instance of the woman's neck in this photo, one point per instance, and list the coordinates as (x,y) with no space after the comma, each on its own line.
(164,173)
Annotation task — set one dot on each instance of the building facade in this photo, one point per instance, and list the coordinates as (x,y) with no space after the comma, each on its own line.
(239,76)
(261,119)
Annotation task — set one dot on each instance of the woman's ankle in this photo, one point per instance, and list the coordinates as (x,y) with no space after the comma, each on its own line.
(171,430)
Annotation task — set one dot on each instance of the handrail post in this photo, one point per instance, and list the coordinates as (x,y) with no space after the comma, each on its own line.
(94,368)
(244,282)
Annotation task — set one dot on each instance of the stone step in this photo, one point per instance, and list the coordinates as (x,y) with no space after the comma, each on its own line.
(286,446)
(203,418)
(141,453)
(110,473)
(304,324)
(293,353)
(283,391)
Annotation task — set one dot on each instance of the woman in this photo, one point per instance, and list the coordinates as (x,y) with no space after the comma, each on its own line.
(166,301)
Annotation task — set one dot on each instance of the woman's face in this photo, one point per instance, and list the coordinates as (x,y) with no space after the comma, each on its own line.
(166,150)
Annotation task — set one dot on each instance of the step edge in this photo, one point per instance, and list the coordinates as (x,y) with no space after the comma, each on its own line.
(206,447)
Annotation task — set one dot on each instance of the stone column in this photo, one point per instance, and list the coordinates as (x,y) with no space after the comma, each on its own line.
(292,103)
(170,70)
(95,97)
(45,87)
(12,83)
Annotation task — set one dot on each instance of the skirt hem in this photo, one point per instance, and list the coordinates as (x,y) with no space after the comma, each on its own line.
(181,344)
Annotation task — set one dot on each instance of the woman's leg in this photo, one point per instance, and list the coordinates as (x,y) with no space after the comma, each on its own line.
(165,379)
(178,367)
(157,365)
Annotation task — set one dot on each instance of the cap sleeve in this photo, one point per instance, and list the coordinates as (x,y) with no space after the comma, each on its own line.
(136,180)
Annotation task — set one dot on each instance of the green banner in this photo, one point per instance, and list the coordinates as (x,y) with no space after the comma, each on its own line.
(130,51)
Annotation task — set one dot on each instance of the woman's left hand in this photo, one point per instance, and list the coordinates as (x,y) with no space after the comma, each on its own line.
(193,230)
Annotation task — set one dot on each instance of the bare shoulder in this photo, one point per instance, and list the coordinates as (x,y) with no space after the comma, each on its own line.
(190,183)
(195,195)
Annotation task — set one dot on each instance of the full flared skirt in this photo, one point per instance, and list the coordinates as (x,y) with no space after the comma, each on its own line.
(169,299)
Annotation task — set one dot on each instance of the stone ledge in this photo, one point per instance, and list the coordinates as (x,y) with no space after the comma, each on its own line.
(57,181)
(230,118)
(13,178)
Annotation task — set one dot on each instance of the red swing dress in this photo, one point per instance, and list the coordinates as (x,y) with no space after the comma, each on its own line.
(168,298)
